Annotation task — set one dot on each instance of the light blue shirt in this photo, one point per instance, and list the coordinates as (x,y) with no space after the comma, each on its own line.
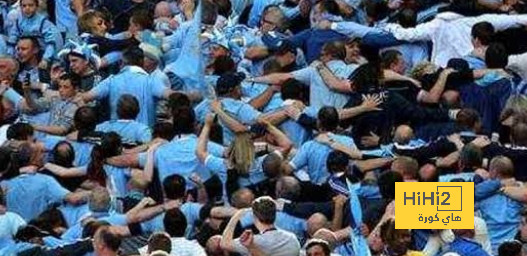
(502,215)
(137,82)
(475,62)
(73,213)
(66,17)
(179,157)
(320,94)
(295,132)
(3,46)
(313,155)
(30,194)
(189,209)
(75,231)
(253,90)
(131,132)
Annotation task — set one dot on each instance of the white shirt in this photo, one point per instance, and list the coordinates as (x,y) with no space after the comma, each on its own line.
(181,247)
(450,33)
(518,64)
(3,133)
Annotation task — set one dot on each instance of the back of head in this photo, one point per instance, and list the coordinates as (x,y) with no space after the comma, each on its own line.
(471,156)
(335,49)
(175,223)
(21,157)
(127,107)
(337,161)
(292,89)
(110,240)
(99,200)
(63,154)
(272,165)
(133,56)
(242,198)
(519,134)
(328,119)
(184,120)
(386,183)
(403,134)
(271,66)
(366,78)
(288,188)
(163,130)
(496,56)
(159,241)
(264,210)
(389,57)
(19,131)
(209,12)
(85,119)
(174,187)
(407,18)
(407,166)
(510,248)
(468,119)
(503,166)
(484,32)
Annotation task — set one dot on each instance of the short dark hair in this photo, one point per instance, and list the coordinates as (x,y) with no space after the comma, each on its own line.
(127,107)
(133,56)
(209,12)
(264,209)
(143,18)
(74,79)
(471,156)
(85,119)
(177,99)
(328,118)
(159,241)
(496,56)
(223,65)
(331,7)
(174,186)
(467,118)
(292,89)
(19,131)
(63,154)
(484,32)
(163,130)
(389,57)
(510,248)
(519,134)
(324,246)
(110,239)
(407,18)
(337,161)
(175,223)
(184,120)
(271,165)
(386,183)
(335,49)
(34,40)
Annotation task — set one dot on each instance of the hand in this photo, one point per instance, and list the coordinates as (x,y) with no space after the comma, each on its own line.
(209,119)
(147,201)
(247,238)
(370,141)
(43,64)
(215,105)
(364,230)
(173,24)
(505,8)
(315,63)
(78,100)
(481,141)
(483,173)
(56,72)
(371,102)
(172,204)
(194,177)
(456,139)
(446,72)
(293,112)
(324,139)
(340,200)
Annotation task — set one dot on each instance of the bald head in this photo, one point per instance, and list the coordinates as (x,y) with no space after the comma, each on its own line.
(403,134)
(242,198)
(315,223)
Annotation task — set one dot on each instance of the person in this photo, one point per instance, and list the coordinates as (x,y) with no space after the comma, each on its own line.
(513,248)
(270,240)
(11,221)
(396,241)
(23,171)
(106,243)
(132,132)
(501,168)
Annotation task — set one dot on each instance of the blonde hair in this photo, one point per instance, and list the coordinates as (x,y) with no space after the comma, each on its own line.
(422,69)
(516,107)
(241,153)
(85,22)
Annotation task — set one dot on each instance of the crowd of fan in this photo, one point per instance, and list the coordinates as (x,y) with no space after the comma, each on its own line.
(258,127)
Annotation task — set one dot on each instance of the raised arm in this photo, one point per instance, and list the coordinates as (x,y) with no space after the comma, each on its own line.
(435,93)
(276,78)
(369,103)
(227,240)
(260,101)
(284,143)
(353,153)
(228,120)
(331,81)
(203,139)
